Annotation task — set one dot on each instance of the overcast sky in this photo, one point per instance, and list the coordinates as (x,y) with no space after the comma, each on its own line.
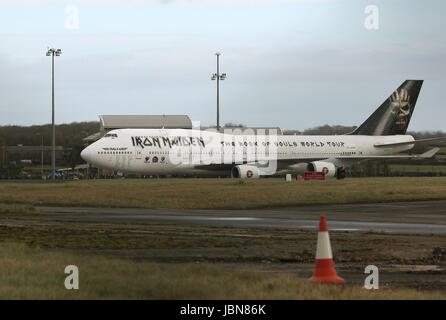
(290,63)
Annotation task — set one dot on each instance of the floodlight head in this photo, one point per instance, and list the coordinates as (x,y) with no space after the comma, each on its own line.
(53,51)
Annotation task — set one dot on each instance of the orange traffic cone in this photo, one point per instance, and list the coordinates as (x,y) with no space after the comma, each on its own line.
(325,271)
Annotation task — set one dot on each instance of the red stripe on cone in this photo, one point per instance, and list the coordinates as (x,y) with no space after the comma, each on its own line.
(325,271)
(323,224)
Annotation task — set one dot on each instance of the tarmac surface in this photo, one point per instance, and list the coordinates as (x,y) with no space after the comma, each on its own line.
(421,217)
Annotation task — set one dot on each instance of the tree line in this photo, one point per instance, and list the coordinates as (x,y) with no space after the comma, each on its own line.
(67,135)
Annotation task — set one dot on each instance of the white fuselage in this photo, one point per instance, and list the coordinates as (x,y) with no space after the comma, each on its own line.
(179,151)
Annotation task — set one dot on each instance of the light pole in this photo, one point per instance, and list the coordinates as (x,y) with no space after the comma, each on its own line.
(217,76)
(41,153)
(53,52)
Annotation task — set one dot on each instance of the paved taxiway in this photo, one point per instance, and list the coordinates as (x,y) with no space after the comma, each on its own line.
(422,217)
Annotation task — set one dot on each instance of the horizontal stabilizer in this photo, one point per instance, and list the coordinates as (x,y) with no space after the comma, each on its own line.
(396,144)
(430,153)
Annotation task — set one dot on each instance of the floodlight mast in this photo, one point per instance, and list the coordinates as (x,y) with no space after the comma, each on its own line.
(53,52)
(217,76)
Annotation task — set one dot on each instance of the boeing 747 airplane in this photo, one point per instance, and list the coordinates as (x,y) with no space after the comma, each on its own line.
(194,152)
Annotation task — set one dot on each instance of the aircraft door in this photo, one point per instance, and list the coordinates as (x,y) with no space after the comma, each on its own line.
(138,153)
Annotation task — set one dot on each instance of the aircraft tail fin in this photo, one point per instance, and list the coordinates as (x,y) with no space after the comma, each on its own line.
(393,116)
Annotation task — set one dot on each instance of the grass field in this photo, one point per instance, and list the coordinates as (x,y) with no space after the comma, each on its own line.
(420,168)
(32,273)
(220,193)
(17,208)
(157,261)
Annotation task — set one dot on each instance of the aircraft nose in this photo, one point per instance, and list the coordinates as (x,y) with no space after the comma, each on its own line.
(86,154)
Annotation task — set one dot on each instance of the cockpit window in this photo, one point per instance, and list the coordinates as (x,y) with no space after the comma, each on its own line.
(111,135)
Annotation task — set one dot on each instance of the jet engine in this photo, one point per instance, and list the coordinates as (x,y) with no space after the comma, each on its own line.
(328,168)
(245,172)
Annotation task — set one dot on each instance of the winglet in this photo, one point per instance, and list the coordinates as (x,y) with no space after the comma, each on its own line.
(430,153)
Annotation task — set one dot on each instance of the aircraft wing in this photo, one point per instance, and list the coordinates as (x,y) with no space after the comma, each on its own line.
(428,154)
(396,144)
(284,162)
